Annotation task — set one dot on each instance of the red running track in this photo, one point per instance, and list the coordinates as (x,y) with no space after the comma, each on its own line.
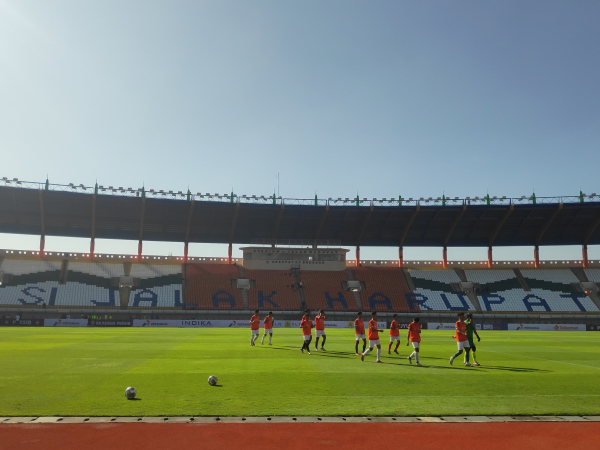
(422,436)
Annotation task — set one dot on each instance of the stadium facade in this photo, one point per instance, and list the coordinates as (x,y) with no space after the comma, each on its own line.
(293,260)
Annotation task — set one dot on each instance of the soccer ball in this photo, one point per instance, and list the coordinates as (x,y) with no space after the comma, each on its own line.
(212,380)
(130,393)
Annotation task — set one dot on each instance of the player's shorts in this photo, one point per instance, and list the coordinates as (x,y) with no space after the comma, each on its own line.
(374,343)
(394,338)
(268,330)
(462,345)
(360,336)
(416,344)
(321,333)
(253,332)
(307,337)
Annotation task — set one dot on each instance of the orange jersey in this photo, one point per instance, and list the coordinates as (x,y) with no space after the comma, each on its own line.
(359,325)
(255,325)
(306,326)
(394,328)
(373,332)
(268,323)
(461,326)
(320,322)
(413,329)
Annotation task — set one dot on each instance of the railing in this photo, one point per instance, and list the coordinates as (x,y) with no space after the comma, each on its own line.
(278,200)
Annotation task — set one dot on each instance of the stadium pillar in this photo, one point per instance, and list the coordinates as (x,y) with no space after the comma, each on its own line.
(445,260)
(400,256)
(92,247)
(185,253)
(42,244)
(229,253)
(139,257)
(490,260)
(584,255)
(536,257)
(357,256)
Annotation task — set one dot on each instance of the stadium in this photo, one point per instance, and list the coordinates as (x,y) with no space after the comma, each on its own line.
(282,225)
(158,307)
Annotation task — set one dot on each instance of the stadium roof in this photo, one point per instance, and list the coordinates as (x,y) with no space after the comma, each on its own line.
(75,211)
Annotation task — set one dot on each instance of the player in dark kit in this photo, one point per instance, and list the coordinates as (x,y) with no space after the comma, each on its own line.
(470,330)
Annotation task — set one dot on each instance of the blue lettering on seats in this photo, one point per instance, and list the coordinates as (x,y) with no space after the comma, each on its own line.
(29,292)
(488,302)
(575,298)
(529,304)
(340,298)
(111,299)
(152,297)
(383,300)
(416,302)
(463,303)
(222,296)
(262,298)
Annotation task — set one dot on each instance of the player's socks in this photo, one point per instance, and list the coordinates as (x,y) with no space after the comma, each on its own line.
(389,347)
(366,352)
(417,357)
(467,357)
(378,353)
(262,341)
(270,337)
(364,347)
(397,345)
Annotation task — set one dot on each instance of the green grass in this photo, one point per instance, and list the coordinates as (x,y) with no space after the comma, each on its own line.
(82,372)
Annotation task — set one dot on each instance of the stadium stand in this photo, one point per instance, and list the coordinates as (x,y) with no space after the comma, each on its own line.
(272,290)
(323,290)
(208,286)
(160,286)
(90,285)
(31,283)
(434,292)
(386,289)
(502,291)
(593,275)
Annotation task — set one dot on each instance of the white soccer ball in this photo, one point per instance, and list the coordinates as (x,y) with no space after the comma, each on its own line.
(130,393)
(212,380)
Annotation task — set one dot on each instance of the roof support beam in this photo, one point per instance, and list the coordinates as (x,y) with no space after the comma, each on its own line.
(547,223)
(364,225)
(189,222)
(277,222)
(409,223)
(42,224)
(454,223)
(233,221)
(93,236)
(141,228)
(321,223)
(499,225)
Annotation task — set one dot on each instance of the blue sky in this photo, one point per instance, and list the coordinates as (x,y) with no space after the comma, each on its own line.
(381,98)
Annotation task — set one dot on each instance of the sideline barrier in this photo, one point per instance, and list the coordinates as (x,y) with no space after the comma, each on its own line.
(546,327)
(197,323)
(65,322)
(110,323)
(21,323)
(513,326)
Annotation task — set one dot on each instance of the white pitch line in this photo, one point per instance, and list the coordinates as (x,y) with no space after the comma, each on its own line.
(542,359)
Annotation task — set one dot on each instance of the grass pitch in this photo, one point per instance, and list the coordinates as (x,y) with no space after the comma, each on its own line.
(83,372)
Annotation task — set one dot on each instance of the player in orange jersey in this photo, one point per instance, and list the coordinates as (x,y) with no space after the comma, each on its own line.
(414,335)
(306,326)
(320,327)
(359,332)
(394,334)
(254,327)
(268,324)
(373,338)
(462,340)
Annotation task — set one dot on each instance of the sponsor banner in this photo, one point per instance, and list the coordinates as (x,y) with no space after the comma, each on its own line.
(441,326)
(197,323)
(110,323)
(491,326)
(546,327)
(65,322)
(21,323)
